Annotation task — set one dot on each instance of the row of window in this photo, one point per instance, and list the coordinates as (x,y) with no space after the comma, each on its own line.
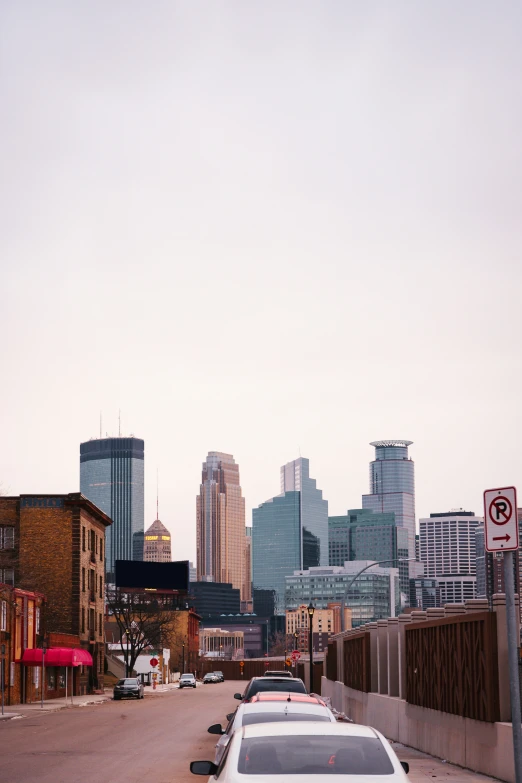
(90,618)
(92,582)
(92,542)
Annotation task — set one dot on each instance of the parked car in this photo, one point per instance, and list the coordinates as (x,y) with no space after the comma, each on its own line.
(210,677)
(128,687)
(276,673)
(301,750)
(271,708)
(220,676)
(284,684)
(187,681)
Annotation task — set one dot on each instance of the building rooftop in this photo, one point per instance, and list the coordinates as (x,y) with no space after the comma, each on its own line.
(390,443)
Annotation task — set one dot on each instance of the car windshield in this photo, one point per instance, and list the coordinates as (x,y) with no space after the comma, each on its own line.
(277,717)
(187,676)
(301,754)
(287,685)
(127,682)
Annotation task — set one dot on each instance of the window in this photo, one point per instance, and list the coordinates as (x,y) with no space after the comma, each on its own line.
(101,550)
(3,616)
(83,539)
(7,576)
(7,537)
(100,624)
(101,587)
(83,620)
(37,619)
(83,580)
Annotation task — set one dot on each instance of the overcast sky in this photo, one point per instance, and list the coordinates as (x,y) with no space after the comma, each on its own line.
(259,227)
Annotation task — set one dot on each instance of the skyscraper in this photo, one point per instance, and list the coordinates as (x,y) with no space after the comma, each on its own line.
(112,477)
(392,485)
(157,548)
(448,544)
(289,532)
(220,515)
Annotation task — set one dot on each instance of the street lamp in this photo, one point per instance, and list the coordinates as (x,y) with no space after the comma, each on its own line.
(183,658)
(357,575)
(311,610)
(296,637)
(44,650)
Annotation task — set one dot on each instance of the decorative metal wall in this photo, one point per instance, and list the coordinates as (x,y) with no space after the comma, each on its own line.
(331,662)
(452,665)
(357,662)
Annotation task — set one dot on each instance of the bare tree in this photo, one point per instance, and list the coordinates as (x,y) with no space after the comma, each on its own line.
(143,623)
(278,643)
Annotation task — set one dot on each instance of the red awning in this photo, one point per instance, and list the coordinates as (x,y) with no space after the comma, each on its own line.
(57,656)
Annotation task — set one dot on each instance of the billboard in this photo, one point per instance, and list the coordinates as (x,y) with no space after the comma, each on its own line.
(138,575)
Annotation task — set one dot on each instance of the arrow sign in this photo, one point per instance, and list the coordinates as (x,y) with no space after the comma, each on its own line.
(502,538)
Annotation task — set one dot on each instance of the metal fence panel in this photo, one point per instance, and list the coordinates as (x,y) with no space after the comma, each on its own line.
(357,662)
(452,665)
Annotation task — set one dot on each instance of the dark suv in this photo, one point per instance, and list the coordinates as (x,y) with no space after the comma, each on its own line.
(130,686)
(261,684)
(220,676)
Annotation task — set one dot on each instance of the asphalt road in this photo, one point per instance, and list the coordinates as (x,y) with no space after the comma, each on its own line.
(150,741)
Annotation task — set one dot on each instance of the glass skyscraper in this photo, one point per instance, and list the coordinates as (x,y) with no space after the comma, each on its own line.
(289,532)
(112,477)
(392,485)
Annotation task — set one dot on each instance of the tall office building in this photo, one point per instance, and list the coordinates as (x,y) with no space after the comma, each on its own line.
(246,604)
(112,477)
(448,551)
(157,548)
(392,485)
(220,515)
(362,534)
(490,570)
(289,532)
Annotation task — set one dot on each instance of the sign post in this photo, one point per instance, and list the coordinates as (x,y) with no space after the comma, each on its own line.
(501,523)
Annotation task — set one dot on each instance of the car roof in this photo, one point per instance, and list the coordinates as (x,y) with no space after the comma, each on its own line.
(289,729)
(284,706)
(272,696)
(273,677)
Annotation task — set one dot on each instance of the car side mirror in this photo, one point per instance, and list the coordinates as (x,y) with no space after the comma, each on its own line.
(203,767)
(405,766)
(216,728)
(230,716)
(238,696)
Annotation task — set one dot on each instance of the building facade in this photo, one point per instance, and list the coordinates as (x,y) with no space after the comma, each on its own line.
(372,596)
(220,517)
(22,615)
(392,485)
(59,553)
(324,621)
(221,644)
(289,532)
(157,544)
(424,593)
(214,598)
(112,477)
(362,534)
(448,552)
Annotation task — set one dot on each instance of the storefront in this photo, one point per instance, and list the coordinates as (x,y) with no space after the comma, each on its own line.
(63,668)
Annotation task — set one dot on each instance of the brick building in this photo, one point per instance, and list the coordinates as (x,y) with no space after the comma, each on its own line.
(184,645)
(21,625)
(59,551)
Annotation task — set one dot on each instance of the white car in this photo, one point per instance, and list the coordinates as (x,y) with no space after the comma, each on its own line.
(271,708)
(304,753)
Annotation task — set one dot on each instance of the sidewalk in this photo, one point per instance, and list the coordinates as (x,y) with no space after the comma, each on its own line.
(424,768)
(53,705)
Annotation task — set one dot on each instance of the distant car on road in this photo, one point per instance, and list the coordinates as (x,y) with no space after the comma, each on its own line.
(282,684)
(271,708)
(299,751)
(187,681)
(276,673)
(220,676)
(210,677)
(129,687)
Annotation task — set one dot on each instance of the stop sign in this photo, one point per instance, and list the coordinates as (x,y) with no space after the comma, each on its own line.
(154,661)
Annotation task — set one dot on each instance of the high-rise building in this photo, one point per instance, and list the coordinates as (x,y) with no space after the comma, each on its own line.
(289,532)
(424,593)
(362,534)
(374,595)
(392,485)
(448,551)
(246,603)
(220,514)
(112,477)
(157,547)
(490,568)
